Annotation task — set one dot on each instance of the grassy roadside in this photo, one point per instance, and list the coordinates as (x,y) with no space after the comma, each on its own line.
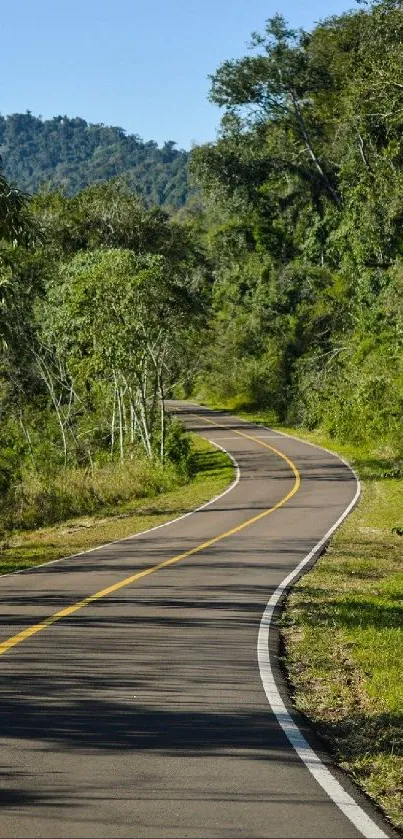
(343,629)
(212,471)
(343,634)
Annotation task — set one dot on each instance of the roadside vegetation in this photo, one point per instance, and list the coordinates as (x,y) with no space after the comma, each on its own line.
(342,625)
(304,195)
(101,307)
(122,502)
(343,634)
(280,287)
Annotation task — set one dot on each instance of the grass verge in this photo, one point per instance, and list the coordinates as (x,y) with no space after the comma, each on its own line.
(212,471)
(342,629)
(343,634)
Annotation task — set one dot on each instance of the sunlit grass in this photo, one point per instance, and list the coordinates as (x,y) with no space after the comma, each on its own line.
(212,471)
(343,629)
(343,626)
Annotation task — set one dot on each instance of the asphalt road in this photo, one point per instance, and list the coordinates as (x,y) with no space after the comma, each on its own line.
(142,712)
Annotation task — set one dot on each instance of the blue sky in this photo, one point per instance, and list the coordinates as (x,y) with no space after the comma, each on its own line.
(139,64)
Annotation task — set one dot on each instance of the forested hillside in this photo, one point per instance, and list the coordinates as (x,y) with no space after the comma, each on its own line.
(70,154)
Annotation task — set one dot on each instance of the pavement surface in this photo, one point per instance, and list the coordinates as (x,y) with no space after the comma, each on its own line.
(142,712)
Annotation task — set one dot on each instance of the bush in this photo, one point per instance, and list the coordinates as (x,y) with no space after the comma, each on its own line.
(177,445)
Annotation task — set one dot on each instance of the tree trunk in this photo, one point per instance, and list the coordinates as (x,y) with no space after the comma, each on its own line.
(310,150)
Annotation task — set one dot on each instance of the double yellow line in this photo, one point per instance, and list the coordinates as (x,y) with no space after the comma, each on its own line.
(7,645)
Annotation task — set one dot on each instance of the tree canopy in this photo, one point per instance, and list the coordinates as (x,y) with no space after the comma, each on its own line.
(305,197)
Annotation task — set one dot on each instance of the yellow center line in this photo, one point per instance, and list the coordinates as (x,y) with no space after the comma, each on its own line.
(69,610)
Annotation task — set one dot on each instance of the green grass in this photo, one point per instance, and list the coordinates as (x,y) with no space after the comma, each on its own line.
(212,471)
(343,633)
(343,628)
(40,500)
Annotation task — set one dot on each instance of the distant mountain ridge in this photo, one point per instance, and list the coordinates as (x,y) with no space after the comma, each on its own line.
(70,154)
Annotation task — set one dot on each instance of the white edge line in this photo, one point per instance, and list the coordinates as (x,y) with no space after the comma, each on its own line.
(324,778)
(232,486)
(312,761)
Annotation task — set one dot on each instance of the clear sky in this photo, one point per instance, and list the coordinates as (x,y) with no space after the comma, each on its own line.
(139,64)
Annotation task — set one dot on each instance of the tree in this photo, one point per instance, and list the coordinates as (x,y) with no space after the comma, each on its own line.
(120,321)
(304,197)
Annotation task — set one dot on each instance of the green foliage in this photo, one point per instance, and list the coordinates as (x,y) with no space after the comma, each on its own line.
(279,287)
(99,317)
(137,507)
(69,154)
(305,207)
(178,446)
(342,632)
(16,224)
(39,500)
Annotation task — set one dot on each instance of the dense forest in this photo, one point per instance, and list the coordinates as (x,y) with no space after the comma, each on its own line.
(101,301)
(283,291)
(304,191)
(70,154)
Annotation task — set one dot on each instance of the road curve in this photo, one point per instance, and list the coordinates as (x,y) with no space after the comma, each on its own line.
(138,709)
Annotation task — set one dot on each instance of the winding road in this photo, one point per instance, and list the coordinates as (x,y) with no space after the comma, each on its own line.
(141,692)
